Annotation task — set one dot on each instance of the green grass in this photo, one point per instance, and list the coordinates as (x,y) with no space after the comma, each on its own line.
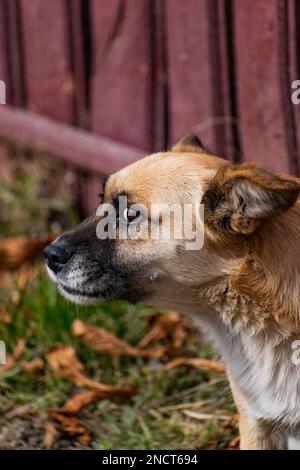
(148,421)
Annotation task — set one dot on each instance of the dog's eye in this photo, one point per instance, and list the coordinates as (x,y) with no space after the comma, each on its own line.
(130,215)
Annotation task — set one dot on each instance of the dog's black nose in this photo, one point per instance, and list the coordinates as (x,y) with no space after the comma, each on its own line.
(57,256)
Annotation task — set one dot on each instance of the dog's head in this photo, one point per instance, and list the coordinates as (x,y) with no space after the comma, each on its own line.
(160,270)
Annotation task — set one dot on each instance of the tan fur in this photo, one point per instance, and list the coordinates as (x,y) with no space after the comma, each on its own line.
(252,283)
(242,287)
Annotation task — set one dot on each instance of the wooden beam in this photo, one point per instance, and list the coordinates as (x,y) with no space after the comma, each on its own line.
(92,154)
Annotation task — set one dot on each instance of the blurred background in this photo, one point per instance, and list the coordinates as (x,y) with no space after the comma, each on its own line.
(92,85)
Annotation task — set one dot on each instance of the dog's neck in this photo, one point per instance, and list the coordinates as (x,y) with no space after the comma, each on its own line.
(253,318)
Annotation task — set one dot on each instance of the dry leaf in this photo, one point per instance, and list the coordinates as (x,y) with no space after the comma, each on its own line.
(171,329)
(4,316)
(102,341)
(204,364)
(81,400)
(71,426)
(51,435)
(36,365)
(65,364)
(26,274)
(16,251)
(12,359)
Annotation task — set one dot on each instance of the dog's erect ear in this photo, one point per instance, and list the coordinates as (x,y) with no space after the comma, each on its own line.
(189,143)
(239,196)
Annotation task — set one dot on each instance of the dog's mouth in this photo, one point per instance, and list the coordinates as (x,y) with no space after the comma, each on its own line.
(80,297)
(76,295)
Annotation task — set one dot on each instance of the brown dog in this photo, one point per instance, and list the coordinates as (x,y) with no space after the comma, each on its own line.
(242,286)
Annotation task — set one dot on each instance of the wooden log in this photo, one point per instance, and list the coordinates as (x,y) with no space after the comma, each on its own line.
(84,150)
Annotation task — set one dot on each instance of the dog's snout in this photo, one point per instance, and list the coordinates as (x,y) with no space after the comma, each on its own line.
(57,256)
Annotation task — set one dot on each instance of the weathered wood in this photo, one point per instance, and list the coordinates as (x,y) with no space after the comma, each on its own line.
(191,100)
(84,150)
(121,85)
(292,69)
(49,80)
(88,185)
(199,79)
(4,72)
(78,63)
(261,116)
(223,68)
(14,53)
(159,77)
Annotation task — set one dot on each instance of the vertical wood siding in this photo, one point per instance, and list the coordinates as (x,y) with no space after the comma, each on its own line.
(144,72)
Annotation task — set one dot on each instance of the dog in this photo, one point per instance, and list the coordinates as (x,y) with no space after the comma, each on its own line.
(241,287)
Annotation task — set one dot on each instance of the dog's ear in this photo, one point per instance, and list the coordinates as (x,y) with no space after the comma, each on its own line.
(239,196)
(189,143)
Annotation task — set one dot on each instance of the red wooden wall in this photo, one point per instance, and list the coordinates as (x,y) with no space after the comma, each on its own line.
(141,73)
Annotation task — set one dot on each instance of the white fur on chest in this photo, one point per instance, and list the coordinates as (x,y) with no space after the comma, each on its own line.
(263,370)
(293,443)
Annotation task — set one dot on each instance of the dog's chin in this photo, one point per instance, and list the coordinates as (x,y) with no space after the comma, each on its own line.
(75,296)
(80,298)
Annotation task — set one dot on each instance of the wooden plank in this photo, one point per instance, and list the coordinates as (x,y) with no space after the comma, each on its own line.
(224,72)
(6,75)
(293,71)
(200,95)
(50,85)
(159,99)
(78,62)
(12,28)
(121,82)
(191,99)
(80,148)
(260,111)
(56,68)
(4,65)
(88,185)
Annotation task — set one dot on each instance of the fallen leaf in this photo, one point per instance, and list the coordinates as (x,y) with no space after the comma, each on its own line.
(81,400)
(51,435)
(102,341)
(26,275)
(65,364)
(19,349)
(204,364)
(71,426)
(16,251)
(36,365)
(171,329)
(12,359)
(4,316)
